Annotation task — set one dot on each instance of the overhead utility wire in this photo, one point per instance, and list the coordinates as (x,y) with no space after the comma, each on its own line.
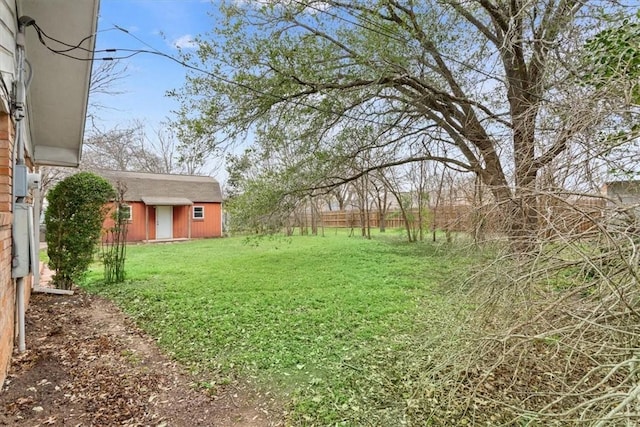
(70,47)
(157,52)
(130,34)
(42,35)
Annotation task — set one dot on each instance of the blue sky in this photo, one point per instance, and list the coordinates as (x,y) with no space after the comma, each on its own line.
(161,24)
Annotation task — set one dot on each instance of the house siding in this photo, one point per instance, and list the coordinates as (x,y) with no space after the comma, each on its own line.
(136,230)
(152,224)
(8,29)
(180,222)
(210,226)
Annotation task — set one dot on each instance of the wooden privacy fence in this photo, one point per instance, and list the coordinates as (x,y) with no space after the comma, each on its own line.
(554,217)
(454,218)
(561,217)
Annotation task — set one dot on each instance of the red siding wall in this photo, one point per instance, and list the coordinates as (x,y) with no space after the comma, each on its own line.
(181,221)
(152,224)
(210,226)
(136,231)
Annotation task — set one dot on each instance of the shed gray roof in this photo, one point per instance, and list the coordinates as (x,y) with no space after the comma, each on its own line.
(167,201)
(141,185)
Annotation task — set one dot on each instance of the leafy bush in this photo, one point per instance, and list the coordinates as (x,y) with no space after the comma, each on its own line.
(74,220)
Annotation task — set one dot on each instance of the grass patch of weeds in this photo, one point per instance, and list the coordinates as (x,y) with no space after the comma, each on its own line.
(330,323)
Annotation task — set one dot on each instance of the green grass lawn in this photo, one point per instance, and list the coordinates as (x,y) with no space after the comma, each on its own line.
(330,324)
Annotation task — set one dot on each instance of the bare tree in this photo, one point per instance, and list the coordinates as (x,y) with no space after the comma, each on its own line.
(106,76)
(133,149)
(116,149)
(165,146)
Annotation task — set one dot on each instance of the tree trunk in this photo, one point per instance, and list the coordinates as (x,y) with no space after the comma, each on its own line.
(523,218)
(314,217)
(437,205)
(382,210)
(478,214)
(523,221)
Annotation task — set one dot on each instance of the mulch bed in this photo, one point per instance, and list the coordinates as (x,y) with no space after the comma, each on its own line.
(87,364)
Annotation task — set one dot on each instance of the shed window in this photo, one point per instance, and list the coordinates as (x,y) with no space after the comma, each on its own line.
(198,212)
(126,212)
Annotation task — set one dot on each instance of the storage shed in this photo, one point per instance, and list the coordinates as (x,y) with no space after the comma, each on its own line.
(164,207)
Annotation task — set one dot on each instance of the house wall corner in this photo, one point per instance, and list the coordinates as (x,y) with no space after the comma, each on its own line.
(7,287)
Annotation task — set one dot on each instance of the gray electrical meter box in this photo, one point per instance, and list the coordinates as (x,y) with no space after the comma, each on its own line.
(21,243)
(20,181)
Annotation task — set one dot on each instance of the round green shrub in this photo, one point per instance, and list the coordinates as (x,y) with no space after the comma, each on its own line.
(77,208)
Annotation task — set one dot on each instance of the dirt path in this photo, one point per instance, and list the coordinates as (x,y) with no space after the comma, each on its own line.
(87,364)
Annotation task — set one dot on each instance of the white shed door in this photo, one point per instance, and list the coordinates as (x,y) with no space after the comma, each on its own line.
(164,222)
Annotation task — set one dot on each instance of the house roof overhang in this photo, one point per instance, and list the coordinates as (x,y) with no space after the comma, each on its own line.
(166,201)
(59,90)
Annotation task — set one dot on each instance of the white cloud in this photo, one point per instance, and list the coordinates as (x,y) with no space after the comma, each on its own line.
(184,42)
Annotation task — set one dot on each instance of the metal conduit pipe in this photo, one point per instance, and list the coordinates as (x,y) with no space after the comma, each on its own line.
(20,174)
